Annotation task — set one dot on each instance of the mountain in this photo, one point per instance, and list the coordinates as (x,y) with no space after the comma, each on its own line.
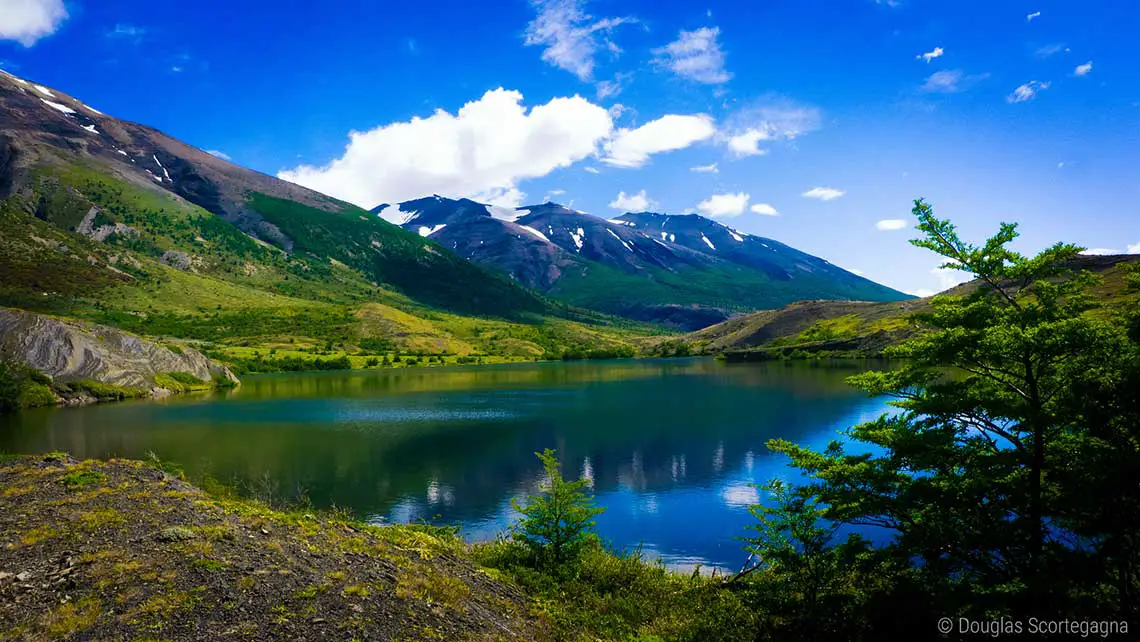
(685,270)
(858,328)
(120,224)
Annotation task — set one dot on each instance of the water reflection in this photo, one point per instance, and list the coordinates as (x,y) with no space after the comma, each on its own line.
(671,447)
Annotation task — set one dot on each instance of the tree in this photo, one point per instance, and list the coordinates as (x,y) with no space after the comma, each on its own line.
(558,522)
(971,472)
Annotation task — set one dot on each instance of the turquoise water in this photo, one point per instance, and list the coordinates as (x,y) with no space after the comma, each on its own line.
(671,446)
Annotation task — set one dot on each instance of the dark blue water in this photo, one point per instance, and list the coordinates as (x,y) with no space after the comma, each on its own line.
(671,447)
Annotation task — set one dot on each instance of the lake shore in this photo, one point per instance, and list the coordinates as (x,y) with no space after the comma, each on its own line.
(97,549)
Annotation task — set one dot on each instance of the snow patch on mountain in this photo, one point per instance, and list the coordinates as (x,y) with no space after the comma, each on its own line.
(396,215)
(535,232)
(426,231)
(707,241)
(736,236)
(91,128)
(43,90)
(578,238)
(624,244)
(58,107)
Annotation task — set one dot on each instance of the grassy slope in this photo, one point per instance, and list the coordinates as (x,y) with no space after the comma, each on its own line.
(723,286)
(123,550)
(864,329)
(240,293)
(140,554)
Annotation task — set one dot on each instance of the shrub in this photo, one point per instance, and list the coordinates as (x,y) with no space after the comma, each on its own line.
(558,522)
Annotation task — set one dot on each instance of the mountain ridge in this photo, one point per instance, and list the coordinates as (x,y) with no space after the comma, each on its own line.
(700,265)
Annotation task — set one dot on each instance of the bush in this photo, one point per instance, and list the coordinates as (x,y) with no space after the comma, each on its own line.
(23,387)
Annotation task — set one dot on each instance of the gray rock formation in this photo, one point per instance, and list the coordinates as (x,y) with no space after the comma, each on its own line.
(73,351)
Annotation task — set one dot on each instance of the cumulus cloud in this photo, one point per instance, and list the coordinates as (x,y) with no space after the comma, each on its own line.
(1083,70)
(633,147)
(719,205)
(1027,91)
(705,169)
(1134,248)
(931,55)
(638,202)
(571,38)
(767,121)
(823,193)
(482,151)
(764,209)
(695,55)
(220,154)
(26,21)
(890,224)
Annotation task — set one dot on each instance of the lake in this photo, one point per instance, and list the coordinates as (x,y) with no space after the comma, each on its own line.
(671,446)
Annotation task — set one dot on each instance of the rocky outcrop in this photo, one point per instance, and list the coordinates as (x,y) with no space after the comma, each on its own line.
(75,351)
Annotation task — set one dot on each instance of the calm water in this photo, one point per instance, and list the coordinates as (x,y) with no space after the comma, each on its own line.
(671,446)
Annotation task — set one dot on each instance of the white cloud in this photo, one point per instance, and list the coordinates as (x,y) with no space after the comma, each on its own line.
(127,32)
(890,224)
(823,193)
(1100,251)
(1032,16)
(571,38)
(855,272)
(26,21)
(931,55)
(481,151)
(695,55)
(1134,248)
(724,204)
(638,202)
(948,278)
(768,121)
(1051,50)
(764,209)
(633,147)
(1027,91)
(220,154)
(945,278)
(705,169)
(951,81)
(1083,70)
(592,170)
(944,82)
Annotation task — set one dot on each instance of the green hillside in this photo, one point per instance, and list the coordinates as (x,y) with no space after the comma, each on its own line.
(862,329)
(80,241)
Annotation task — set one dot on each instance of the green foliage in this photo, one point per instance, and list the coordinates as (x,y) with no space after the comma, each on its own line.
(107,391)
(394,256)
(1015,407)
(622,596)
(23,387)
(259,363)
(557,523)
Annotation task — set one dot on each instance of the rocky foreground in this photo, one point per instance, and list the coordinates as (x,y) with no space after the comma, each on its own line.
(116,550)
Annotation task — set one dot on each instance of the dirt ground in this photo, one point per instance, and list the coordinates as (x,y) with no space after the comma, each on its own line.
(121,550)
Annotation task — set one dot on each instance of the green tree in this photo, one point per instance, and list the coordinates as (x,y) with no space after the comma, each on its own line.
(970,473)
(558,522)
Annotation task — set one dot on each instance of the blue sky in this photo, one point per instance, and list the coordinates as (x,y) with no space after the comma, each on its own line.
(1023,111)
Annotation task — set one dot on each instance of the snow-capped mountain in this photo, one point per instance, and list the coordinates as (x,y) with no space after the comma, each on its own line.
(686,270)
